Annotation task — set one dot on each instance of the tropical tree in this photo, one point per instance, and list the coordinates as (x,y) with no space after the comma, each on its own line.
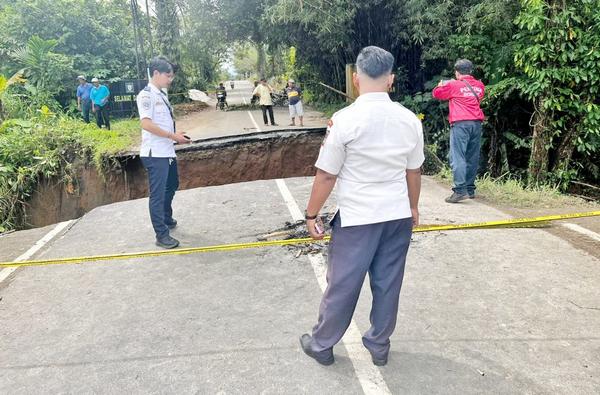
(41,66)
(558,53)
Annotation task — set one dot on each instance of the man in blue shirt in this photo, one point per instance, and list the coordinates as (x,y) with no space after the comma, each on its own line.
(100,95)
(84,103)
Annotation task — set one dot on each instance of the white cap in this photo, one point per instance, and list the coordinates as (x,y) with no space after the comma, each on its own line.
(292,81)
(81,77)
(95,79)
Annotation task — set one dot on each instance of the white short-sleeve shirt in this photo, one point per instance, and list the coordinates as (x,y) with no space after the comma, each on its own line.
(152,103)
(369,145)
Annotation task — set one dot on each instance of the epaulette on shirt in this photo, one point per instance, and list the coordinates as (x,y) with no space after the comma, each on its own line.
(147,89)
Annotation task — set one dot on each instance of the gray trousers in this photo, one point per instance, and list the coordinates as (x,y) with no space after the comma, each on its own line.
(379,249)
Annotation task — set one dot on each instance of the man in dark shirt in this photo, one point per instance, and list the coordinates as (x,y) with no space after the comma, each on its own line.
(294,95)
(221,95)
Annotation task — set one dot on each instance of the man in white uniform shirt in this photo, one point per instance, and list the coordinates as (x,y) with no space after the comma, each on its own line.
(157,151)
(374,150)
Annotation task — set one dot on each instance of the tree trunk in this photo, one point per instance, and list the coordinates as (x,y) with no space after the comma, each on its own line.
(149,28)
(540,144)
(566,148)
(261,61)
(493,152)
(168,40)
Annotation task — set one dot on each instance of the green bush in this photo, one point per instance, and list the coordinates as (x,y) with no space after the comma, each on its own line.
(46,146)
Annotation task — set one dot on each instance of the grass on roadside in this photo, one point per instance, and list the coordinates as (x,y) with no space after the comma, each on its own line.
(514,193)
(124,135)
(47,147)
(328,109)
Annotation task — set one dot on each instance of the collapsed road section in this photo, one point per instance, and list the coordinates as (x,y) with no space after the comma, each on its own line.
(207,162)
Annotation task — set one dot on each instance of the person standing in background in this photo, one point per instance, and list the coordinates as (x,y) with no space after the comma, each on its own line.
(263,91)
(464,94)
(84,103)
(100,95)
(294,94)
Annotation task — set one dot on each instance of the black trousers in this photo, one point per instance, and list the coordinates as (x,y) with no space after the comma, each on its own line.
(102,116)
(264,112)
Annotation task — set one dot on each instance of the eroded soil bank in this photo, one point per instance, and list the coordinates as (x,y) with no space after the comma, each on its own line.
(209,162)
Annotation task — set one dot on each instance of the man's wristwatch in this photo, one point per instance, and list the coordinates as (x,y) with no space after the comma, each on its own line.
(307,217)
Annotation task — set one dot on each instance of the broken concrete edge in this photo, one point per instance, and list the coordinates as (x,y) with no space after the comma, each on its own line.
(210,162)
(432,165)
(228,141)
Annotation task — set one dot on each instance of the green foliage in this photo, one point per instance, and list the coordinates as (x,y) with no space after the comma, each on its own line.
(244,57)
(558,53)
(328,108)
(95,35)
(47,146)
(514,193)
(433,113)
(539,60)
(546,65)
(42,67)
(484,35)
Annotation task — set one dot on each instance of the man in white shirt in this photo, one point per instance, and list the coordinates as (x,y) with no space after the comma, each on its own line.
(157,151)
(263,91)
(374,150)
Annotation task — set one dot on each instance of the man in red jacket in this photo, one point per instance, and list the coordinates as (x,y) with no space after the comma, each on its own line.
(464,94)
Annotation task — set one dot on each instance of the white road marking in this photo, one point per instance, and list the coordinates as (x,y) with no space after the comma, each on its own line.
(251,116)
(254,122)
(582,230)
(368,375)
(35,248)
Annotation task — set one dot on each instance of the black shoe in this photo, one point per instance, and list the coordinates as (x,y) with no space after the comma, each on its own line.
(167,242)
(274,124)
(323,357)
(456,197)
(471,196)
(171,224)
(378,361)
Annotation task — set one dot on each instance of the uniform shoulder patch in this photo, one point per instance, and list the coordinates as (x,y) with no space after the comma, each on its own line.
(329,125)
(145,101)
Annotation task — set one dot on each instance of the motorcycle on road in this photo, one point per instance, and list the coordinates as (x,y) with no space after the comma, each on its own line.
(280,99)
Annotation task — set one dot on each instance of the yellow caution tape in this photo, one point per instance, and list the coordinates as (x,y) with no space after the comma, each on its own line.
(306,240)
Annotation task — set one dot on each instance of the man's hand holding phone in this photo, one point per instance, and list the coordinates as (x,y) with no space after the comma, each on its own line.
(315,228)
(181,138)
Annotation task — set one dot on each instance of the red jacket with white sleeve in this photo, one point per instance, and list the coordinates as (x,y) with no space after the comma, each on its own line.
(464,106)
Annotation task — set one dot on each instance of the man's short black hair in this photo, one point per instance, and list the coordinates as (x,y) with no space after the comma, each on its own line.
(374,62)
(160,64)
(463,66)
